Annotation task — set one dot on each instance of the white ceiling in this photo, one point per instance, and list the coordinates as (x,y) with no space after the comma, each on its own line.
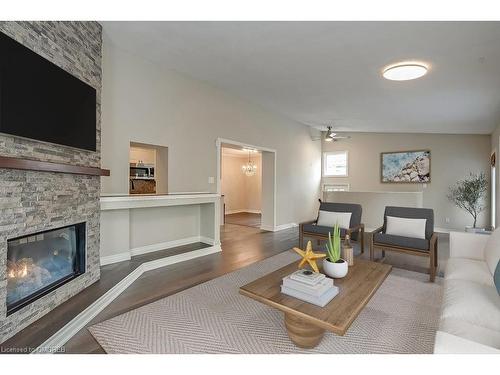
(330,72)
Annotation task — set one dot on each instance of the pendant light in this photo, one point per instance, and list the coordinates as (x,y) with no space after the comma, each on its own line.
(249,168)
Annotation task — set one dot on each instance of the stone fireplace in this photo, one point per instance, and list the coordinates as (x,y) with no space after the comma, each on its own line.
(49,221)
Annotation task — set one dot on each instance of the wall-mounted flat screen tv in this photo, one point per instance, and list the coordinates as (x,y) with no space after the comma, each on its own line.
(39,100)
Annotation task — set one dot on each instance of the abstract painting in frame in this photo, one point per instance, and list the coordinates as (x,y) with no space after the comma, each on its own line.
(406,167)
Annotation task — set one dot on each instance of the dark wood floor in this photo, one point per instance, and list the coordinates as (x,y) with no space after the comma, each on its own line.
(244,218)
(242,245)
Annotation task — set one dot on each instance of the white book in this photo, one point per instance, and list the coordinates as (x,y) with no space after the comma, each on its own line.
(318,301)
(307,277)
(316,290)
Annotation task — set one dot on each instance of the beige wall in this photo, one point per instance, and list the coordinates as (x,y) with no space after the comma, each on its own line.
(453,157)
(146,155)
(142,102)
(241,192)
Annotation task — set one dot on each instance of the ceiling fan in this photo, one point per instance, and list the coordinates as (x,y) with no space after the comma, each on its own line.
(331,136)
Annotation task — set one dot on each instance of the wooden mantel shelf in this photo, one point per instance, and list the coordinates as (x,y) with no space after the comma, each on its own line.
(45,166)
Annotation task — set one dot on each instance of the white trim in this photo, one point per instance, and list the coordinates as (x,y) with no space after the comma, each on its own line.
(163,245)
(62,336)
(277,228)
(207,240)
(243,210)
(145,201)
(110,259)
(443,230)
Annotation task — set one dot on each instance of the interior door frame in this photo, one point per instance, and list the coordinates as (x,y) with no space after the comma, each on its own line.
(219,143)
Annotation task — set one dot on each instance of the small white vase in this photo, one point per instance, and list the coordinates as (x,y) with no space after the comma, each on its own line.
(335,270)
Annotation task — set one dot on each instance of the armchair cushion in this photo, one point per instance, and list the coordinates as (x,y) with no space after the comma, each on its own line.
(320,229)
(400,241)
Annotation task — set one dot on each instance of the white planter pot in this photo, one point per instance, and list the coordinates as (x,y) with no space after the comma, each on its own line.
(335,270)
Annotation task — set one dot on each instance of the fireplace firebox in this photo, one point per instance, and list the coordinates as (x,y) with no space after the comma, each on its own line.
(41,262)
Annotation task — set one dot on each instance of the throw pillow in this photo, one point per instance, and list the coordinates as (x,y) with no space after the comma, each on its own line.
(496,277)
(329,218)
(401,226)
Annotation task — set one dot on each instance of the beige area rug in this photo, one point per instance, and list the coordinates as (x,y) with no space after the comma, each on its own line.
(402,317)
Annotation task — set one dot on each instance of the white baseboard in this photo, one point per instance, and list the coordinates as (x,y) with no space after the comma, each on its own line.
(247,210)
(163,245)
(207,240)
(443,230)
(62,336)
(277,228)
(110,259)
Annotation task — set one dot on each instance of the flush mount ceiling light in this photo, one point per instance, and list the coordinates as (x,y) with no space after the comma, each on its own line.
(405,71)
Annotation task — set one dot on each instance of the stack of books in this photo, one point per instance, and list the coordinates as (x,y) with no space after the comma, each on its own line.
(310,287)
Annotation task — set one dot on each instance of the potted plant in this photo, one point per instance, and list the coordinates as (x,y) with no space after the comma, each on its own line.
(468,194)
(333,265)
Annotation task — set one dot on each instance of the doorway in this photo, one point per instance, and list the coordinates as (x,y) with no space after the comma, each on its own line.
(246,181)
(241,186)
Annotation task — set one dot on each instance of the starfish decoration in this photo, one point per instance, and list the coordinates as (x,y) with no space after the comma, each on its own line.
(309,256)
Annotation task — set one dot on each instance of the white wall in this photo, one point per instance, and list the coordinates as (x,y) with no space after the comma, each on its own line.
(241,192)
(145,103)
(453,157)
(495,142)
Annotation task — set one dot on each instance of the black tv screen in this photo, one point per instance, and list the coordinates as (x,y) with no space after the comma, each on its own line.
(41,101)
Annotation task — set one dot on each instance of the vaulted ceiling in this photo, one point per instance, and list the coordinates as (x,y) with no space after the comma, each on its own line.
(322,73)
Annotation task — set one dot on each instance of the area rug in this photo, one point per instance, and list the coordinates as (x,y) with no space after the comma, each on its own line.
(402,317)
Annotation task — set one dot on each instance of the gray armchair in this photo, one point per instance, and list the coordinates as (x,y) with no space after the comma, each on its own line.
(380,240)
(356,230)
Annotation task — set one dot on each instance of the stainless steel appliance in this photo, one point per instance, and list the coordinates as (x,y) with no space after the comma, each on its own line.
(142,178)
(142,171)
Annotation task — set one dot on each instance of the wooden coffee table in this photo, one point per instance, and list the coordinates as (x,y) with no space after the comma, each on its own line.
(306,323)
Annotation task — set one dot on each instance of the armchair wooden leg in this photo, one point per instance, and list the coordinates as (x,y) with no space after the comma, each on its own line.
(436,255)
(362,234)
(432,270)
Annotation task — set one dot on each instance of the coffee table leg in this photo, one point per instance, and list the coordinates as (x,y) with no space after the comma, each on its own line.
(302,333)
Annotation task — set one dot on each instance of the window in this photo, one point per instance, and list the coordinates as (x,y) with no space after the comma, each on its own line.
(335,164)
(335,187)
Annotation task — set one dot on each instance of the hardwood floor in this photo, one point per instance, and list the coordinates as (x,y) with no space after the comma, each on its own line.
(242,245)
(244,218)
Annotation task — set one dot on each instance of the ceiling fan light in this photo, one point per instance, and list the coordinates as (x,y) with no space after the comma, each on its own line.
(405,71)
